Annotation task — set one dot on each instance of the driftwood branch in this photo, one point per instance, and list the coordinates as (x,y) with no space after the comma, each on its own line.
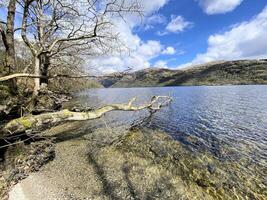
(35,122)
(25,75)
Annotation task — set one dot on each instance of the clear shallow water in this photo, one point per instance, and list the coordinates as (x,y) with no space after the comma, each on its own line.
(221,133)
(228,121)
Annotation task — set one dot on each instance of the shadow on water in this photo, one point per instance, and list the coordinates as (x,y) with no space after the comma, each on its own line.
(158,189)
(126,170)
(153,166)
(67,135)
(77,131)
(108,188)
(129,190)
(210,157)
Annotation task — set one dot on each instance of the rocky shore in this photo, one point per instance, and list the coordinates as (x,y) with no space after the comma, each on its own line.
(82,160)
(12,106)
(20,160)
(118,163)
(25,153)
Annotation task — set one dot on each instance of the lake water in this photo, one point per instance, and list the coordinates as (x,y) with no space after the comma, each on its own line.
(218,116)
(222,132)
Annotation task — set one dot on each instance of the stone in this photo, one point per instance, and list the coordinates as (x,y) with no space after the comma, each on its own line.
(211,168)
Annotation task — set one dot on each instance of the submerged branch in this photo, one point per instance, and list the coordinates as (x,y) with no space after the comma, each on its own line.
(35,122)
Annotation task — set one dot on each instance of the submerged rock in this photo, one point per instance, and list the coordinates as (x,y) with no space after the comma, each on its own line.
(140,164)
(144,165)
(211,168)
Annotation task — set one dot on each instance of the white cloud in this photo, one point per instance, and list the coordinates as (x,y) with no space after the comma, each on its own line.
(246,40)
(138,59)
(212,7)
(161,33)
(169,51)
(152,5)
(160,64)
(141,52)
(177,24)
(153,20)
(149,49)
(180,52)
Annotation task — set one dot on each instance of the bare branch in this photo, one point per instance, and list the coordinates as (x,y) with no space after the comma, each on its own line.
(3,35)
(2,22)
(25,25)
(26,75)
(39,121)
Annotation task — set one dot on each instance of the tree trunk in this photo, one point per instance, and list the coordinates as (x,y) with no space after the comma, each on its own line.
(36,73)
(44,66)
(10,45)
(37,122)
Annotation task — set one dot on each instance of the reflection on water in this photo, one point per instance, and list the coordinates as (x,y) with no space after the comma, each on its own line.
(229,122)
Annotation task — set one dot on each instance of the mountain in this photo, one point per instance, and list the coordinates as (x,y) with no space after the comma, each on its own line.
(240,72)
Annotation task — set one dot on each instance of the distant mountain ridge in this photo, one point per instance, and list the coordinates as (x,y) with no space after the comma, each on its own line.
(238,72)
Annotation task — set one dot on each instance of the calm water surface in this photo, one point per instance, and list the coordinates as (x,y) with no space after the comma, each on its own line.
(232,117)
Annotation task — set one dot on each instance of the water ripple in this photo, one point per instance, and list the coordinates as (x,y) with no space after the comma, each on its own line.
(229,121)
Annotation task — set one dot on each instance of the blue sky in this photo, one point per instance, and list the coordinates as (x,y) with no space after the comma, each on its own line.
(181,33)
(193,40)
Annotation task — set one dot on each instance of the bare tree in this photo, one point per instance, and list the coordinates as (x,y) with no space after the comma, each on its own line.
(7,34)
(63,27)
(59,29)
(35,122)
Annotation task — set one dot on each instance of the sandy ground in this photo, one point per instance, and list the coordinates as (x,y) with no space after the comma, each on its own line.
(71,175)
(69,171)
(54,180)
(68,176)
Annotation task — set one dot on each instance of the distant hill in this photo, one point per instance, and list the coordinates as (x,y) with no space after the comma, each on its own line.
(239,72)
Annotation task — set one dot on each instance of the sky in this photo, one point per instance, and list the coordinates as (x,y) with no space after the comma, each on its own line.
(180,33)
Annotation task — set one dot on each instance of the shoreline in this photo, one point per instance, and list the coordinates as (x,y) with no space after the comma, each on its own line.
(118,163)
(19,160)
(140,164)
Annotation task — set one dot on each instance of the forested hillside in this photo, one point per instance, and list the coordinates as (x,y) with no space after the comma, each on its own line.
(224,73)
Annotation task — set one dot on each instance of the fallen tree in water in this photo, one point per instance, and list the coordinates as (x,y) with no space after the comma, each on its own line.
(36,122)
(26,75)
